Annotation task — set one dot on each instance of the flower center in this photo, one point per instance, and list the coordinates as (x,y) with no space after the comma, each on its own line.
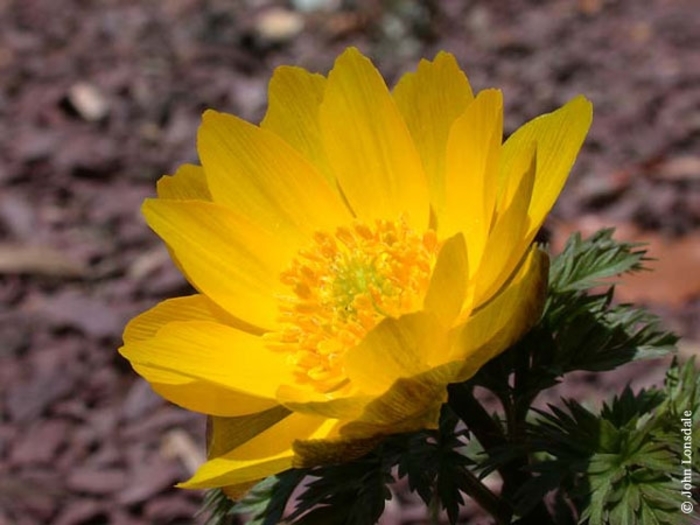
(343,285)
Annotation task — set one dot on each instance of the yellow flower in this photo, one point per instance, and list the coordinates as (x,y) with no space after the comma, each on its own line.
(354,254)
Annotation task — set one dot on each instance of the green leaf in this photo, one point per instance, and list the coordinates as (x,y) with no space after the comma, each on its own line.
(280,490)
(219,507)
(352,493)
(624,464)
(264,504)
(585,264)
(416,463)
(435,465)
(578,330)
(584,331)
(590,333)
(628,407)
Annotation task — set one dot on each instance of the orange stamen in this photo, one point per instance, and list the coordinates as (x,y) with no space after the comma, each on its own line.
(343,285)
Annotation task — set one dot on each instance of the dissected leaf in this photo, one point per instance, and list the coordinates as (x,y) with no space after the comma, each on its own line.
(585,264)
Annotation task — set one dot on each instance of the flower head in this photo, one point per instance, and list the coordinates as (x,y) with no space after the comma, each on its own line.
(354,254)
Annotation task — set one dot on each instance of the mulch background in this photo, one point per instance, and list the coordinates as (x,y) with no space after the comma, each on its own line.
(99,98)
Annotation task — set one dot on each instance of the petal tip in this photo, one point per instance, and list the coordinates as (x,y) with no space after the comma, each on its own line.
(352,55)
(583,106)
(209,114)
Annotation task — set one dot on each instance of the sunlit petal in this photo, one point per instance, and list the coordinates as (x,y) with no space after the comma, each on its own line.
(188,183)
(256,173)
(369,146)
(267,453)
(430,100)
(196,307)
(473,151)
(508,239)
(448,284)
(558,137)
(295,96)
(232,261)
(396,348)
(213,353)
(501,322)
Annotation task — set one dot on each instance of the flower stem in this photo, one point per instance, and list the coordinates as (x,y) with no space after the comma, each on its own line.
(434,509)
(487,499)
(479,422)
(490,435)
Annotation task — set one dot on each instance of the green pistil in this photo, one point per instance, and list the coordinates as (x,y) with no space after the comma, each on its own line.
(356,277)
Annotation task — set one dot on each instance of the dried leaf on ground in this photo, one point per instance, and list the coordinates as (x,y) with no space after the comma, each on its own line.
(38,260)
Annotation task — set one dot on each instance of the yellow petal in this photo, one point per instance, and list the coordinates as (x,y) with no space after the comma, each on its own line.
(329,405)
(448,284)
(198,395)
(313,453)
(558,136)
(410,404)
(472,163)
(188,183)
(292,113)
(253,171)
(395,348)
(508,241)
(396,392)
(268,453)
(430,100)
(506,318)
(227,433)
(217,354)
(190,308)
(234,262)
(223,472)
(369,146)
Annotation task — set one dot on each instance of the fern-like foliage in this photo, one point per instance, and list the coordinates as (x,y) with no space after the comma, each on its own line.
(587,263)
(436,466)
(264,504)
(588,331)
(623,465)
